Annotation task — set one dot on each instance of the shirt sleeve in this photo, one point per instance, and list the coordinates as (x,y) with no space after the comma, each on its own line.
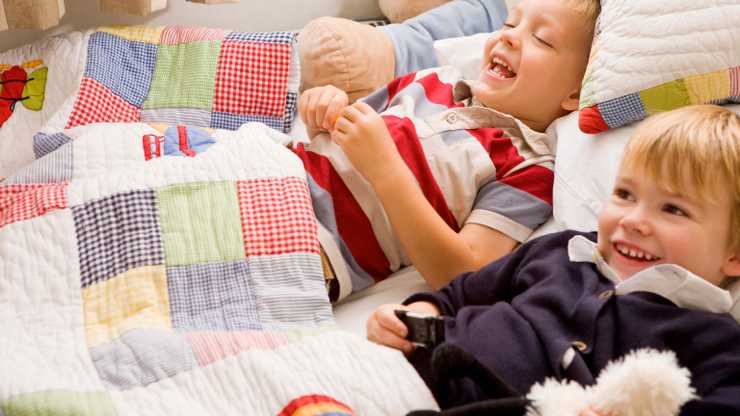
(515,204)
(493,283)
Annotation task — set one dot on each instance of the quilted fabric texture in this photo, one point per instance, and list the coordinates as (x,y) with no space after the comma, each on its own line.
(654,56)
(189,283)
(181,75)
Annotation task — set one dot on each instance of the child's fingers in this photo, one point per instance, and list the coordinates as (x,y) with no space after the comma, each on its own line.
(381,335)
(332,111)
(364,108)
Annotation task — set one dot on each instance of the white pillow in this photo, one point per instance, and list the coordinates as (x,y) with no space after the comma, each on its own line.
(464,53)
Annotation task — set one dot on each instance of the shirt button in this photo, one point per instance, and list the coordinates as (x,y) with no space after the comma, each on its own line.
(451,118)
(606,294)
(580,345)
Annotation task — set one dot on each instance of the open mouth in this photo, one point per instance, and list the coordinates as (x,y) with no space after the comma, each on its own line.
(635,254)
(501,69)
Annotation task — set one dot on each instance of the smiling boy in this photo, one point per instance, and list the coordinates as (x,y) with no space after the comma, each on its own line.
(452,174)
(567,304)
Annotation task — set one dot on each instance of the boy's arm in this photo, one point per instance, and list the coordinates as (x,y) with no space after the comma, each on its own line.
(437,251)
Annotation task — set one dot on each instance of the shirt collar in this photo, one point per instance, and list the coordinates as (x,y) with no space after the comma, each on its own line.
(462,91)
(670,281)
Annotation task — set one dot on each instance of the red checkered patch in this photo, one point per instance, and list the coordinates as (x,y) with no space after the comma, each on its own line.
(22,202)
(277,216)
(252,78)
(210,347)
(97,104)
(175,35)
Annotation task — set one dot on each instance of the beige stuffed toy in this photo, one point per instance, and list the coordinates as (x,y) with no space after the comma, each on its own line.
(359,59)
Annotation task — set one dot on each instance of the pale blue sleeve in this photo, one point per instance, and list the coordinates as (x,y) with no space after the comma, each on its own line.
(413,40)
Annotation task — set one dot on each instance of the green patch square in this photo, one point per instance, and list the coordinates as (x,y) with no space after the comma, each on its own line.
(666,97)
(588,98)
(60,403)
(201,223)
(184,76)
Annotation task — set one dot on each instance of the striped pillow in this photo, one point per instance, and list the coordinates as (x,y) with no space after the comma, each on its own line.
(654,56)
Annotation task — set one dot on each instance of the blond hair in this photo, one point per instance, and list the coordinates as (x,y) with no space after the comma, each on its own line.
(695,147)
(588,9)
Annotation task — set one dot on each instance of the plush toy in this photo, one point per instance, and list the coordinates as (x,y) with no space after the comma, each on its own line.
(398,11)
(359,59)
(646,383)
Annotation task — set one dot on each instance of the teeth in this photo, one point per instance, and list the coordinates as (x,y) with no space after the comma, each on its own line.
(499,61)
(633,253)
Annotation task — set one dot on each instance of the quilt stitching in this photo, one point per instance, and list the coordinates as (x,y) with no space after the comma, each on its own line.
(118,233)
(22,202)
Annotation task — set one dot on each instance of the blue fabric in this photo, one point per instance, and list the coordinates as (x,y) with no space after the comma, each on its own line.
(291,104)
(125,67)
(285,38)
(229,121)
(212,297)
(118,233)
(198,141)
(623,110)
(43,144)
(413,40)
(56,167)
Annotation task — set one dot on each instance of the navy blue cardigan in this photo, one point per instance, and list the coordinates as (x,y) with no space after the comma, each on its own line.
(520,314)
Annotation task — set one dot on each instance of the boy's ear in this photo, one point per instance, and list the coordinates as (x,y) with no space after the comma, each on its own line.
(731,267)
(571,103)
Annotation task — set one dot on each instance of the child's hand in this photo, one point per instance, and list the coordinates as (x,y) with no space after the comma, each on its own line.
(384,328)
(365,140)
(319,108)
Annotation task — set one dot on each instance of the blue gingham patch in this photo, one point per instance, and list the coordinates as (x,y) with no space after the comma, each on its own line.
(284,38)
(118,233)
(229,121)
(212,297)
(43,144)
(177,116)
(126,67)
(623,110)
(291,102)
(56,167)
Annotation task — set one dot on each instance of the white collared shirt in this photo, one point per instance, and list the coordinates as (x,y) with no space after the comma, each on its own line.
(670,281)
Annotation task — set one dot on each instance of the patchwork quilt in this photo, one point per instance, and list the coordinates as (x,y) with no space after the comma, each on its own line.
(163,269)
(182,75)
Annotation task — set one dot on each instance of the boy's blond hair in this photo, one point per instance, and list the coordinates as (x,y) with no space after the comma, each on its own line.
(588,9)
(697,146)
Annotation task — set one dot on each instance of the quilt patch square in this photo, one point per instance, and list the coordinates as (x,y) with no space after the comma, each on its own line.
(200,223)
(623,110)
(142,356)
(229,121)
(22,202)
(118,233)
(139,33)
(95,103)
(52,168)
(60,402)
(212,297)
(43,144)
(125,67)
(176,35)
(735,83)
(665,97)
(252,78)
(210,347)
(134,299)
(185,76)
(711,88)
(277,216)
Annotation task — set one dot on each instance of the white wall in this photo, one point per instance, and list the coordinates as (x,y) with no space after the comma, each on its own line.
(247,15)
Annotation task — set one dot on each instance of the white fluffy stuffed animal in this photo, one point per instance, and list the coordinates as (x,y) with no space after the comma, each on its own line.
(644,383)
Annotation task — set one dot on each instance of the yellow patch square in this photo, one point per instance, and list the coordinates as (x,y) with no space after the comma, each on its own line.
(139,33)
(708,87)
(133,299)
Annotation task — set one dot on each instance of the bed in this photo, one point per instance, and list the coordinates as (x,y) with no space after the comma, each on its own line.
(85,330)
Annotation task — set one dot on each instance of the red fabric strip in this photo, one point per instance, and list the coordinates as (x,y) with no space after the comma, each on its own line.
(504,155)
(182,133)
(302,401)
(534,180)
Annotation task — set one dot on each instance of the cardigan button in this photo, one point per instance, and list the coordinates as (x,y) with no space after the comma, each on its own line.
(451,118)
(580,345)
(606,294)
